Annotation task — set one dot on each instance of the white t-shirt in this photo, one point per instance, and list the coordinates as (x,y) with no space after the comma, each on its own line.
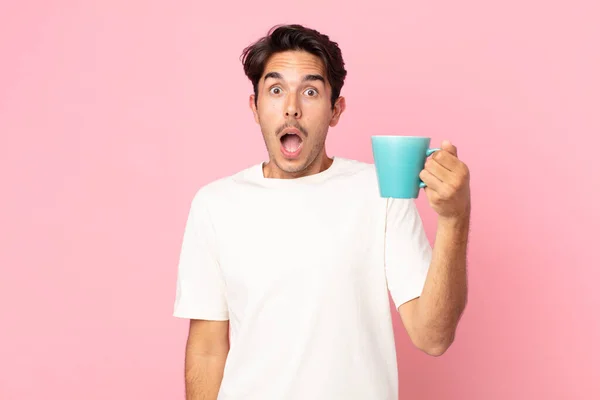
(301,269)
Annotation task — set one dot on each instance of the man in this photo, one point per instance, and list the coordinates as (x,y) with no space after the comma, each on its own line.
(285,266)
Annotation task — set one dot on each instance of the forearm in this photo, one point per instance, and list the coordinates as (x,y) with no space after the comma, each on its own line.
(444,295)
(203,374)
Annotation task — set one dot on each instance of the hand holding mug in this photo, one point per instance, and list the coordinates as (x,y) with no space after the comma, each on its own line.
(447,182)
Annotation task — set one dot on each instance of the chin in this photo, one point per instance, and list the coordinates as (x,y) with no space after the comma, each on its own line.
(291,165)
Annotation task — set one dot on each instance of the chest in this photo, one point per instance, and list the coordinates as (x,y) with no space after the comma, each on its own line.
(293,242)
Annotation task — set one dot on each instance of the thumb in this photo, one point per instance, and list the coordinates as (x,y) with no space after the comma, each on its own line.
(449,147)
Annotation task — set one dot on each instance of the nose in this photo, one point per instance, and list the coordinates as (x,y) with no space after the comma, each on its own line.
(292,108)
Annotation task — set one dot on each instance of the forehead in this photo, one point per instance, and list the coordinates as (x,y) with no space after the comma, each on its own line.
(293,63)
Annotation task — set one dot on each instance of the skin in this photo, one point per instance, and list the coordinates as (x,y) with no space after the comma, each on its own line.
(286,98)
(205,355)
(290,96)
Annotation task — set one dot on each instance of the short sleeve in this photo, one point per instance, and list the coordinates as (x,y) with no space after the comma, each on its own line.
(407,251)
(200,292)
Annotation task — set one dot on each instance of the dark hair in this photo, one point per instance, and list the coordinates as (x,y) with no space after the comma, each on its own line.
(282,38)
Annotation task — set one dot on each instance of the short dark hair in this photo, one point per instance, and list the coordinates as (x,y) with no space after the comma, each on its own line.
(282,38)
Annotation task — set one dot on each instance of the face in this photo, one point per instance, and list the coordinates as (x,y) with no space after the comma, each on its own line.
(294,113)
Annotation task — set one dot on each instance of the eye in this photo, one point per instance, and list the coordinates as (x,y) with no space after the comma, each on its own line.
(275,90)
(311,92)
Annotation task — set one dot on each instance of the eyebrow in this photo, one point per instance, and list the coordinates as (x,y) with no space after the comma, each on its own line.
(313,77)
(306,78)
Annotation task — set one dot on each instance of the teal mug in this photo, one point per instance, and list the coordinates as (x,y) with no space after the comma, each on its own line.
(398,162)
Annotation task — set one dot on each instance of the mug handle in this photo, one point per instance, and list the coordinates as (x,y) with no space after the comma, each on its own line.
(427,154)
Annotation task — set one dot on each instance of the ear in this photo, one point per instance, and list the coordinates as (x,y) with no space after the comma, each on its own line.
(253,108)
(338,109)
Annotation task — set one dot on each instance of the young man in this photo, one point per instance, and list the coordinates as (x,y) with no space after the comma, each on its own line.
(285,266)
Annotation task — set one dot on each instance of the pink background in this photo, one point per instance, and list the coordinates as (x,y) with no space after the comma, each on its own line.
(113,113)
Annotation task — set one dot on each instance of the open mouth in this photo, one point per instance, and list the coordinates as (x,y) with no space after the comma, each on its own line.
(291,145)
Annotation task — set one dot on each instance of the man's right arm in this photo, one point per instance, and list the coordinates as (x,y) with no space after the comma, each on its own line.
(205,354)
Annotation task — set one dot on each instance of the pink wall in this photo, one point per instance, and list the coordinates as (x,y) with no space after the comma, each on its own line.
(112,114)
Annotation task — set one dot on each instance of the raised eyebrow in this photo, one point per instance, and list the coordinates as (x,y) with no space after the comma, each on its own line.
(273,75)
(313,77)
(306,78)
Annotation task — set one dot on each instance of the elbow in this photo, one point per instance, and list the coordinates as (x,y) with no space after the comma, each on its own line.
(437,350)
(435,347)
(435,338)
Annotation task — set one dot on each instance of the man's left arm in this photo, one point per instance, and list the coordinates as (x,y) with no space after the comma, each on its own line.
(432,318)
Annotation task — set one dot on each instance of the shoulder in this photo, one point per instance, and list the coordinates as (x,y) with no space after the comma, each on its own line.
(364,175)
(211,194)
(361,176)
(356,169)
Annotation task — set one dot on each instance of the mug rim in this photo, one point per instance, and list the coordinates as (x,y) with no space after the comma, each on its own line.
(401,136)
